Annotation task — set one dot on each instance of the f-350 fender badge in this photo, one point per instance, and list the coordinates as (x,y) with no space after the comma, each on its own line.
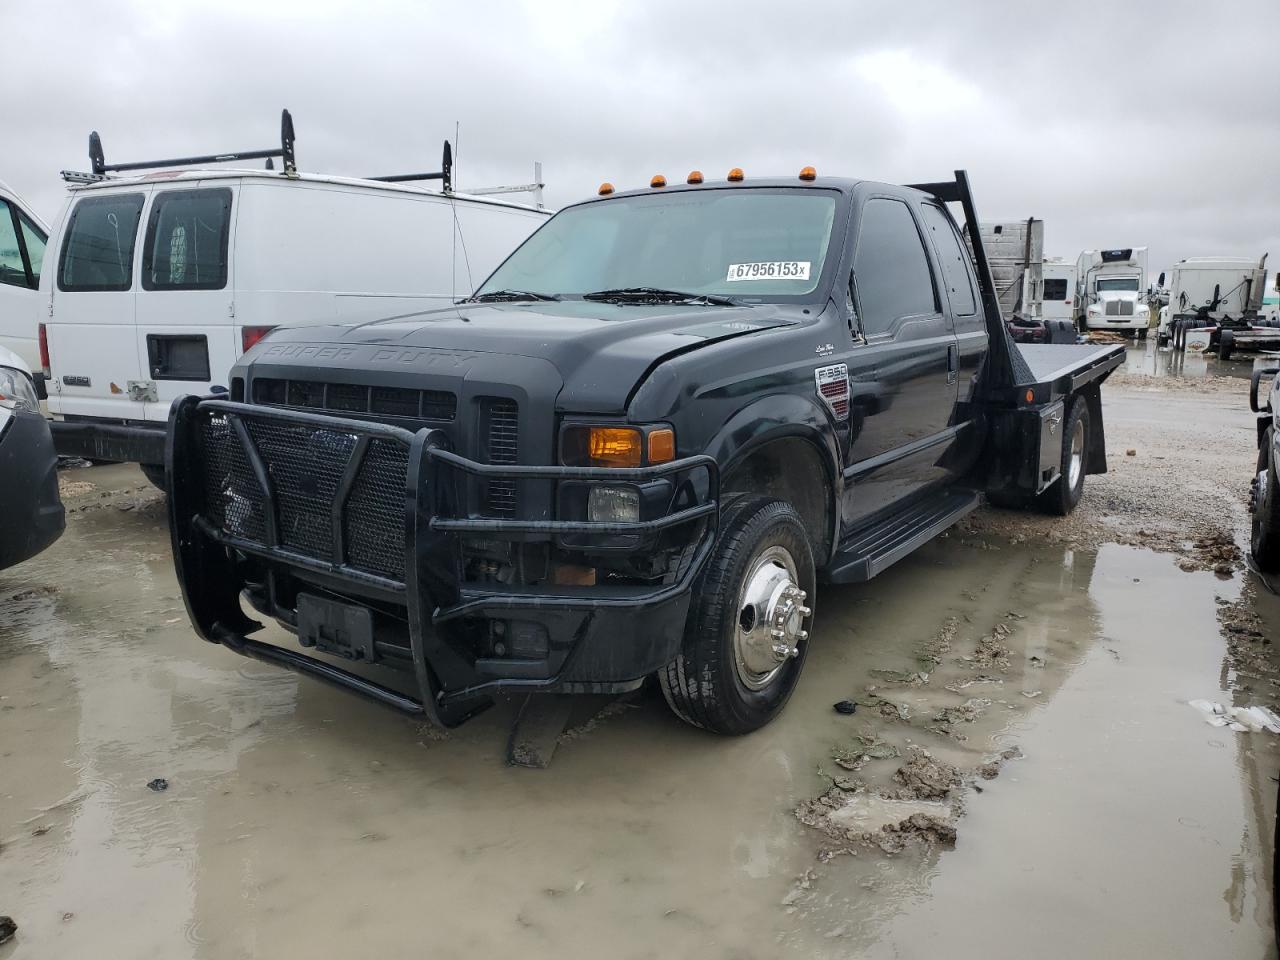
(833,387)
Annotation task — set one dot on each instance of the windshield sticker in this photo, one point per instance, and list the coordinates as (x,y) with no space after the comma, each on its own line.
(769,270)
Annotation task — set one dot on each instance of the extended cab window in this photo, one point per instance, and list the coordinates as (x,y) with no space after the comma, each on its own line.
(97,252)
(751,243)
(186,245)
(954,260)
(890,269)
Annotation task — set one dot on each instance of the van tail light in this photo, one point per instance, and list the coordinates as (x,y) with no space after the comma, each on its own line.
(46,367)
(251,335)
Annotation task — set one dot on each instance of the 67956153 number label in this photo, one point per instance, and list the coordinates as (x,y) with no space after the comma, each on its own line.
(769,270)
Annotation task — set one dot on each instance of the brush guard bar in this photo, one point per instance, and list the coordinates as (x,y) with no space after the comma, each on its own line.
(449,687)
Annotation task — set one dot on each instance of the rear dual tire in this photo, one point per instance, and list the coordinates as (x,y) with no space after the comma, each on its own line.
(728,678)
(1062,496)
(1264,538)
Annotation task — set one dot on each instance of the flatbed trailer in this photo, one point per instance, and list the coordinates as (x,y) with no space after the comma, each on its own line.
(548,490)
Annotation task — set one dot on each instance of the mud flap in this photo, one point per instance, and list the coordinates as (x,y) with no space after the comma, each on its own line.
(1097,462)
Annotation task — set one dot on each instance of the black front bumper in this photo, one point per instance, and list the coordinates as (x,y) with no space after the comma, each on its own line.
(246,521)
(32,516)
(108,440)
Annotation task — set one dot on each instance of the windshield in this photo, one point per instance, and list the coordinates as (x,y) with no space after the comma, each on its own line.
(1107,284)
(752,244)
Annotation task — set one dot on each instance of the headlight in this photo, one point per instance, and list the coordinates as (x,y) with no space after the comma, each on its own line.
(616,446)
(1144,311)
(1094,311)
(613,505)
(16,388)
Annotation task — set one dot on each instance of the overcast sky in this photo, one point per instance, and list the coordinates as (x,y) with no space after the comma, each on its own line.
(1119,124)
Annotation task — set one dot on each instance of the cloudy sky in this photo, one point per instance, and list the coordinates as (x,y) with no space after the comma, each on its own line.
(1119,124)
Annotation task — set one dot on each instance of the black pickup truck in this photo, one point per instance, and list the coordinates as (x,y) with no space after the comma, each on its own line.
(635,451)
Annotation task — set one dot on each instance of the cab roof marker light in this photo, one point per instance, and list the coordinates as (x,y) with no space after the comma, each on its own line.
(606,188)
(808,173)
(736,175)
(695,177)
(658,181)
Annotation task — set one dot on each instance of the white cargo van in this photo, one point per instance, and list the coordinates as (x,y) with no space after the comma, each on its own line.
(22,241)
(157,282)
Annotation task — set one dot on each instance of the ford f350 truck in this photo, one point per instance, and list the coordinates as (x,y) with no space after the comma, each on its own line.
(636,450)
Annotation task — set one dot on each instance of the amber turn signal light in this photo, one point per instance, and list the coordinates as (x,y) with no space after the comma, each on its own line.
(808,173)
(662,445)
(736,175)
(695,176)
(606,188)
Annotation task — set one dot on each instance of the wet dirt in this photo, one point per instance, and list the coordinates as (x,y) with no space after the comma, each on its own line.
(1088,811)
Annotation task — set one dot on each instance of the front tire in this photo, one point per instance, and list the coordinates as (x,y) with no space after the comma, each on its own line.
(1264,538)
(1065,492)
(746,637)
(1226,343)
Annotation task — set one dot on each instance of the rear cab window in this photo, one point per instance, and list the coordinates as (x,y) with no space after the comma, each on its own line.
(186,242)
(954,259)
(97,248)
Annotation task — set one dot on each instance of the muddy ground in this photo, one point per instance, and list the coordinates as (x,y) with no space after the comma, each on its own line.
(1022,775)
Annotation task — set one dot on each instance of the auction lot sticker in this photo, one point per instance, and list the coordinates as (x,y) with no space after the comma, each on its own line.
(769,270)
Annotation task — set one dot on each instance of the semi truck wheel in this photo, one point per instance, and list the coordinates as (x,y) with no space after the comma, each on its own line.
(747,634)
(1061,498)
(1264,535)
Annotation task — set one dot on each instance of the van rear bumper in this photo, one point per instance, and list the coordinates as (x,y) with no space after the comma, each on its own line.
(121,441)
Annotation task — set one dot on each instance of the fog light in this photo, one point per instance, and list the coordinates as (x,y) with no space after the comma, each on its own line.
(613,505)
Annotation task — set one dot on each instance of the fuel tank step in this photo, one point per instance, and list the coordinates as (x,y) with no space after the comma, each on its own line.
(880,546)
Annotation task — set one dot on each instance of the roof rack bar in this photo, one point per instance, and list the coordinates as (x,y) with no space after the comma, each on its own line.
(284,152)
(445,173)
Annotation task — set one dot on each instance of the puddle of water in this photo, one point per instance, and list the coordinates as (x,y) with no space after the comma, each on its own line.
(303,822)
(1154,361)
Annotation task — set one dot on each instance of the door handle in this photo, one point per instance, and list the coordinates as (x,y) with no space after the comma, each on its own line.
(953,362)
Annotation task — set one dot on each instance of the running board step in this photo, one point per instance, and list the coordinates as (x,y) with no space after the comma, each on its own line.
(879,547)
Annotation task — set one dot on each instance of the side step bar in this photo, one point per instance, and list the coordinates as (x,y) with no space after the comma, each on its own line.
(881,546)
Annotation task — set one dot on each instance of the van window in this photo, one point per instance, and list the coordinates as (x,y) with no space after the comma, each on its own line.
(97,253)
(186,246)
(12,270)
(953,257)
(1055,288)
(890,267)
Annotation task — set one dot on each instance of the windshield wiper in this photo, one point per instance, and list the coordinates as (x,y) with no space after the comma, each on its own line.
(508,296)
(658,295)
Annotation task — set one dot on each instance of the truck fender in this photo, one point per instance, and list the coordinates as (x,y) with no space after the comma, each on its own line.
(782,417)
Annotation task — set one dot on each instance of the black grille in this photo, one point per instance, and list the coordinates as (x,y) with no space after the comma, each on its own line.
(500,418)
(355,398)
(306,465)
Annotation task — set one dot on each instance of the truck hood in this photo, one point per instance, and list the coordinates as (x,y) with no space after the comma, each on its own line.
(601,351)
(1107,295)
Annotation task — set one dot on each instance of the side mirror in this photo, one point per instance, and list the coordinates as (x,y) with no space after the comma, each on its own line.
(1160,282)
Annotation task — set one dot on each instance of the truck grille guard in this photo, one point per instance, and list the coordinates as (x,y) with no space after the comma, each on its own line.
(373,510)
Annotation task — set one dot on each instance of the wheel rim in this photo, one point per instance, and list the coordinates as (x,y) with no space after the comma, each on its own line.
(770,618)
(1076,467)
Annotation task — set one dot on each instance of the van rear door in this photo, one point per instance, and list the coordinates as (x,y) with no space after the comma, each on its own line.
(92,345)
(185,322)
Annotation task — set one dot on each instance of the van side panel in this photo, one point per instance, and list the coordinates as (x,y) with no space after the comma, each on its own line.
(313,253)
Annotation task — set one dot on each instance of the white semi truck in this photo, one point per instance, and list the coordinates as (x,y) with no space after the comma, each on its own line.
(1112,289)
(1212,291)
